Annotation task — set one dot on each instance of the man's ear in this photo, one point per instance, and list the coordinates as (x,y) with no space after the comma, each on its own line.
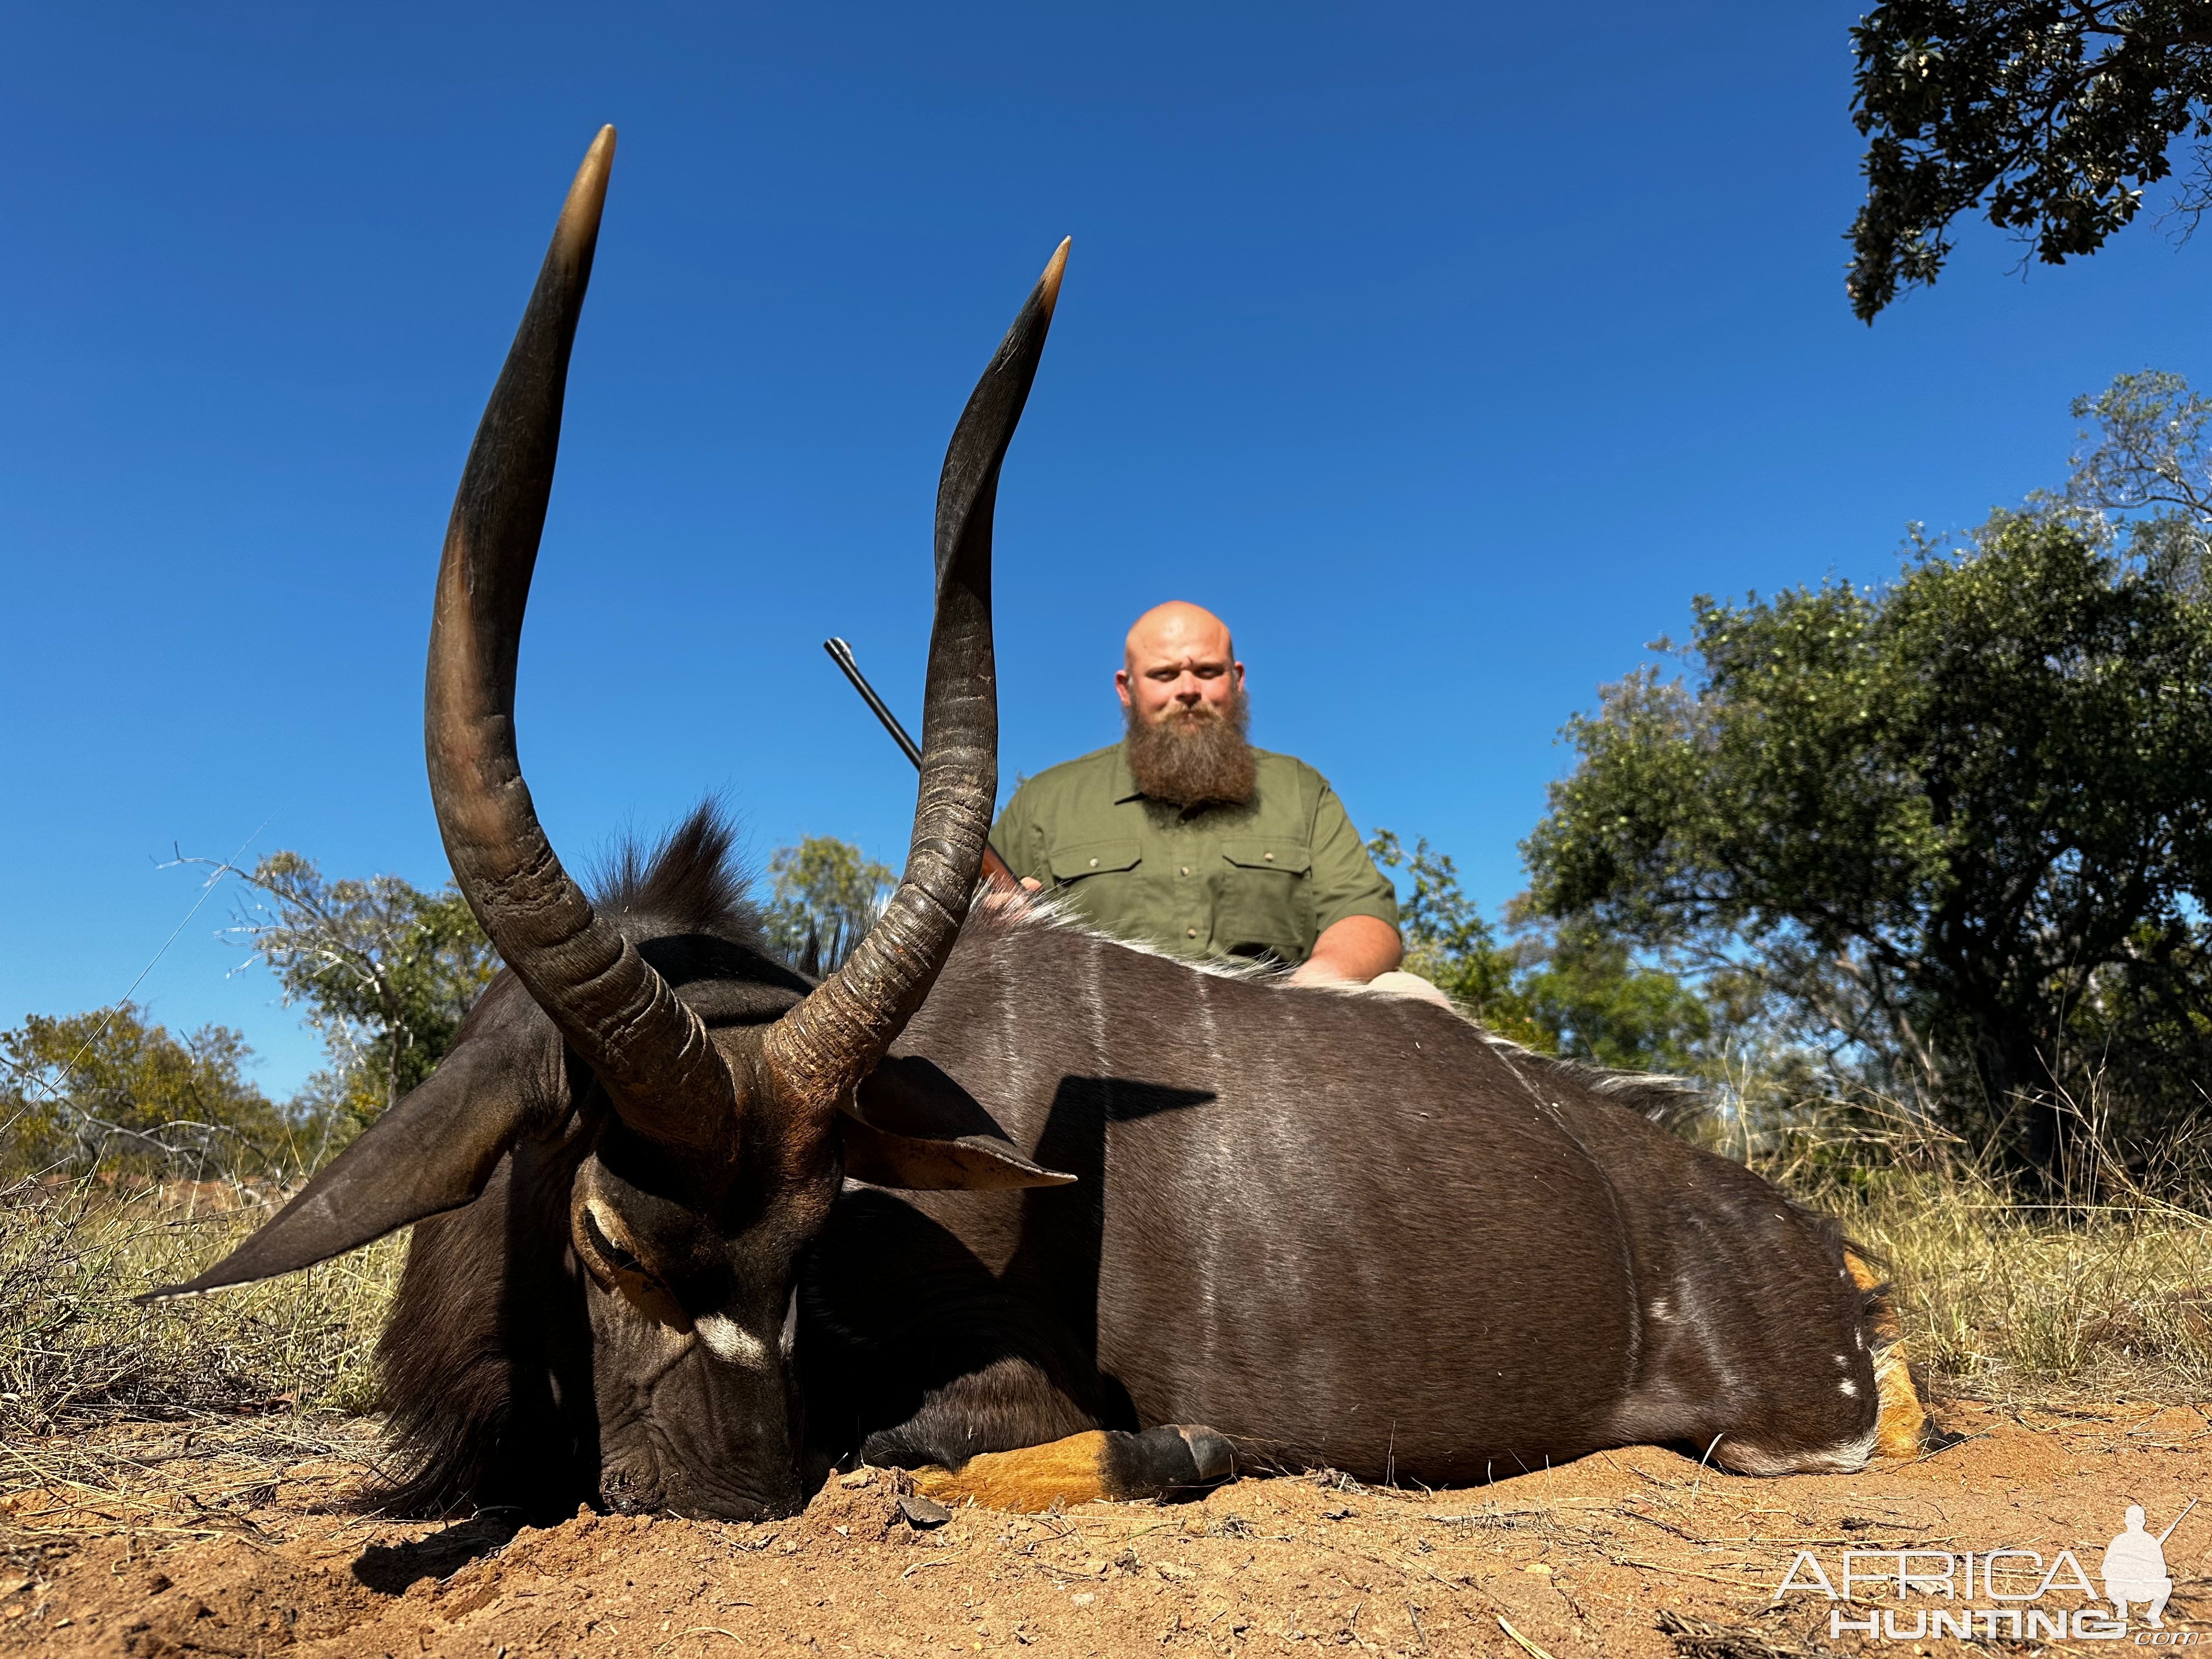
(432,1151)
(911,1126)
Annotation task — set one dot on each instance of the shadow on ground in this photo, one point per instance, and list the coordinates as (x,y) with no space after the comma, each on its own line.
(389,1569)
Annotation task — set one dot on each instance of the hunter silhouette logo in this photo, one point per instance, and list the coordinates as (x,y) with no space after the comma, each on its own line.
(2134,1568)
(2007,1594)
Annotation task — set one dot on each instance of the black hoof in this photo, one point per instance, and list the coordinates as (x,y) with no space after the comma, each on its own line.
(1215,1458)
(1167,1461)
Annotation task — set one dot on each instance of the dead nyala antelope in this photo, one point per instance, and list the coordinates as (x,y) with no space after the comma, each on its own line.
(1038,1215)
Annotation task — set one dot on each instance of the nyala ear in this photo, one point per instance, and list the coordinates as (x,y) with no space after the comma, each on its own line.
(913,1127)
(432,1151)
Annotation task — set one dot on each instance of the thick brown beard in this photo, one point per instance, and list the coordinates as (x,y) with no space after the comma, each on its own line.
(1194,757)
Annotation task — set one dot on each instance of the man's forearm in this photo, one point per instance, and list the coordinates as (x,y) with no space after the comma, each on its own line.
(1356,949)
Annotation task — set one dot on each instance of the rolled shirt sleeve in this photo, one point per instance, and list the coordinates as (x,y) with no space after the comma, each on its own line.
(1018,838)
(1346,882)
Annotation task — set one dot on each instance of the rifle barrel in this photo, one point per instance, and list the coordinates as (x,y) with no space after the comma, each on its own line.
(842,654)
(2178,1520)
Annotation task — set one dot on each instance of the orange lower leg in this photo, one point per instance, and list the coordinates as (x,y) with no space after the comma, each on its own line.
(1902,1428)
(1160,1461)
(1033,1478)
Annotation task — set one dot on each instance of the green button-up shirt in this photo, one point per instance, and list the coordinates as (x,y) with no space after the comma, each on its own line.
(1263,879)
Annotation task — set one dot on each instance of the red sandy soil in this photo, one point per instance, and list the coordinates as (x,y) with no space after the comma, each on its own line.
(162,1540)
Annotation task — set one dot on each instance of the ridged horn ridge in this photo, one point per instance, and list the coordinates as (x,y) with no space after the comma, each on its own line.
(821,1047)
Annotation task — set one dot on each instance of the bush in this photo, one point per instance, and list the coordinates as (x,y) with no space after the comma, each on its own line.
(826,893)
(388,970)
(106,1091)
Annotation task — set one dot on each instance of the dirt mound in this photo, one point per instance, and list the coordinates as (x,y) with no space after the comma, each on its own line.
(154,1557)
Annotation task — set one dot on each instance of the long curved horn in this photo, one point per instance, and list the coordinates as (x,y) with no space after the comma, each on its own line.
(819,1049)
(648,1050)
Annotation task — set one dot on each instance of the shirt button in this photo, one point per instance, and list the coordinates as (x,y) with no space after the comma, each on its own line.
(1094,863)
(1185,869)
(1270,857)
(1191,931)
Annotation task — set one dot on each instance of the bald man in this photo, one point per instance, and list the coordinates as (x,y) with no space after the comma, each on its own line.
(1185,837)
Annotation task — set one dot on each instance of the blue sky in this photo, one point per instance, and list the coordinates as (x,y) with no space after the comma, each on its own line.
(1447,352)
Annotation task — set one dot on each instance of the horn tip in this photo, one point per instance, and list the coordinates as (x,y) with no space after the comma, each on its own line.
(1049,284)
(598,158)
(587,194)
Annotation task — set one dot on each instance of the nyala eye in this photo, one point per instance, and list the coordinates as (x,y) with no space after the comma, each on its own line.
(618,1270)
(608,1251)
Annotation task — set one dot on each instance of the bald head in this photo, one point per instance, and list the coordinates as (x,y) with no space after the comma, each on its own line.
(1175,626)
(1178,658)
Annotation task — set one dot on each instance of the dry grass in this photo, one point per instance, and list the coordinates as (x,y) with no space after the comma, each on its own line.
(76,1350)
(2100,1288)
(2005,1300)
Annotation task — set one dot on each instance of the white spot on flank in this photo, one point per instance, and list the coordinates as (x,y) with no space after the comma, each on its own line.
(1843,1360)
(1661,1312)
(728,1341)
(1849,1388)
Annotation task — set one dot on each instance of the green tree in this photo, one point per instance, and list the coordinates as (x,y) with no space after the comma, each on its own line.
(1585,991)
(825,895)
(106,1091)
(1961,823)
(2057,114)
(1570,991)
(387,972)
(2150,470)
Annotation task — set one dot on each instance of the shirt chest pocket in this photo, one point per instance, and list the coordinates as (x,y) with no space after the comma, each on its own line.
(1266,905)
(1091,870)
(1099,879)
(1089,858)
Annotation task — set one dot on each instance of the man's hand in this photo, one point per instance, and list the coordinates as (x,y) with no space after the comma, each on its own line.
(1351,952)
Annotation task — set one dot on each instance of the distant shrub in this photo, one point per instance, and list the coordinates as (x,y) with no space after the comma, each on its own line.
(105,1092)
